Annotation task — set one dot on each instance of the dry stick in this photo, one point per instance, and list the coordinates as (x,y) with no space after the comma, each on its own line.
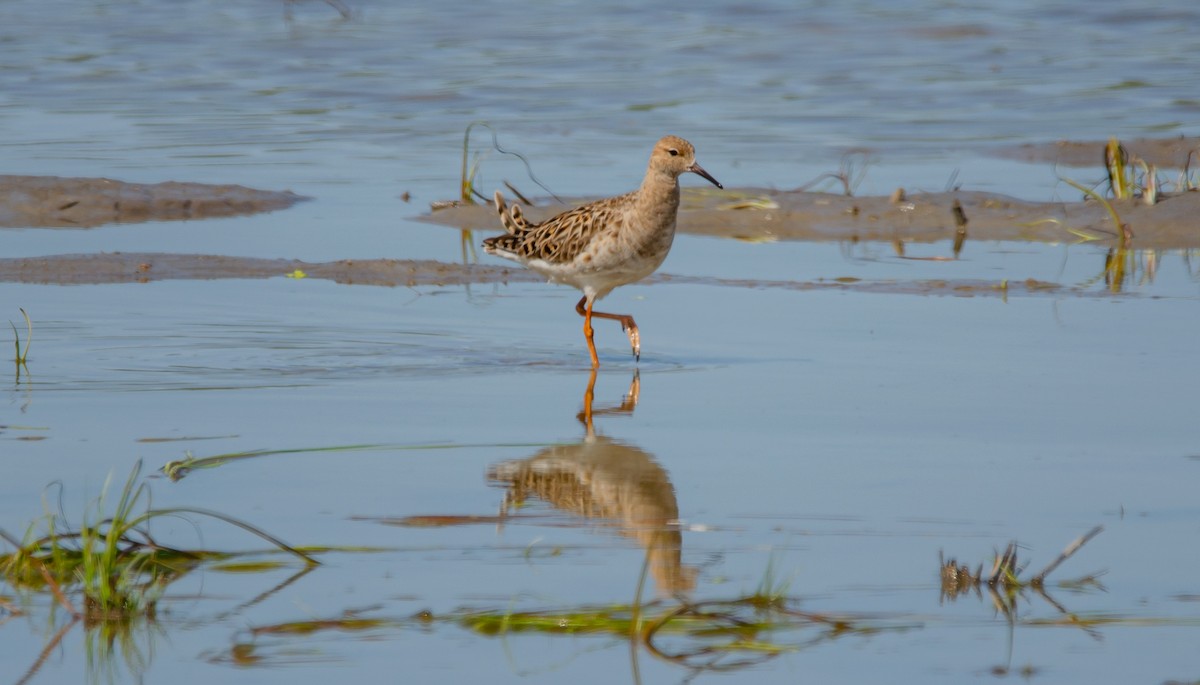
(516,192)
(4,535)
(1005,565)
(1066,554)
(960,227)
(58,593)
(1187,170)
(960,217)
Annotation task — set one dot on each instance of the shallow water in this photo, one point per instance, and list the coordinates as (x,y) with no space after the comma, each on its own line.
(840,439)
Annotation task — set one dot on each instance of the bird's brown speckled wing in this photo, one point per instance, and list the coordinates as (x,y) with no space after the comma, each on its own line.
(559,239)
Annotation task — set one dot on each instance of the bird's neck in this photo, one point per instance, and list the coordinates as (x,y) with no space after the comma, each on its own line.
(659,191)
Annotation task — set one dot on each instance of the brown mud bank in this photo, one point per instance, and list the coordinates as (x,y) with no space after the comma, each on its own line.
(55,201)
(764,215)
(145,267)
(1165,153)
(760,214)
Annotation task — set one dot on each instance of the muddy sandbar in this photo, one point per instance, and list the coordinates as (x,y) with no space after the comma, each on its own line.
(55,201)
(1165,153)
(143,267)
(762,215)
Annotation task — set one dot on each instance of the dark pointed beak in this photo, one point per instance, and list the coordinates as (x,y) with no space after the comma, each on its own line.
(699,170)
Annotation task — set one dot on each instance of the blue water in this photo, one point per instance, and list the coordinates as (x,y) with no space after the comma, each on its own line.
(840,438)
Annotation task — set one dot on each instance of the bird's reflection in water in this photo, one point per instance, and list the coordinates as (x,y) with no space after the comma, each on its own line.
(611,481)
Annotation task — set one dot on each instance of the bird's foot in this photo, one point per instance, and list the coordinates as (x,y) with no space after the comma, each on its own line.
(635,339)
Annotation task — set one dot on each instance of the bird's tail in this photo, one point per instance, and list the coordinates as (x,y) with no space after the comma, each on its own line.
(512,218)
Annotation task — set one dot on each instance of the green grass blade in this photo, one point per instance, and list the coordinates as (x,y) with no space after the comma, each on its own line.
(1116,218)
(234,522)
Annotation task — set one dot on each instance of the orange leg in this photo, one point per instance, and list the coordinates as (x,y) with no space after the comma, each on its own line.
(587,329)
(635,337)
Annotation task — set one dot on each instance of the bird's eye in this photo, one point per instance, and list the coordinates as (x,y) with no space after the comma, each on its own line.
(673,152)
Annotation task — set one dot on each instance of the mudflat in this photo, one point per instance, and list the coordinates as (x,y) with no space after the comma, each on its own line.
(57,201)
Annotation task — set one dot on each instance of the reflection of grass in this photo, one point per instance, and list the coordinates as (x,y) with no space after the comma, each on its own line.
(132,641)
(715,635)
(711,635)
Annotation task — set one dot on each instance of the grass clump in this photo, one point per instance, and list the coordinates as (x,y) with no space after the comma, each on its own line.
(21,356)
(1004,581)
(771,592)
(1129,178)
(112,563)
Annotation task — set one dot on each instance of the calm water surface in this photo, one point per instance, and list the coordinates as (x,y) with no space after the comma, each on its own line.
(840,439)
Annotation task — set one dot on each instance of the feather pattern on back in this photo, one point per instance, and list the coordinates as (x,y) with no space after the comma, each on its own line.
(557,240)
